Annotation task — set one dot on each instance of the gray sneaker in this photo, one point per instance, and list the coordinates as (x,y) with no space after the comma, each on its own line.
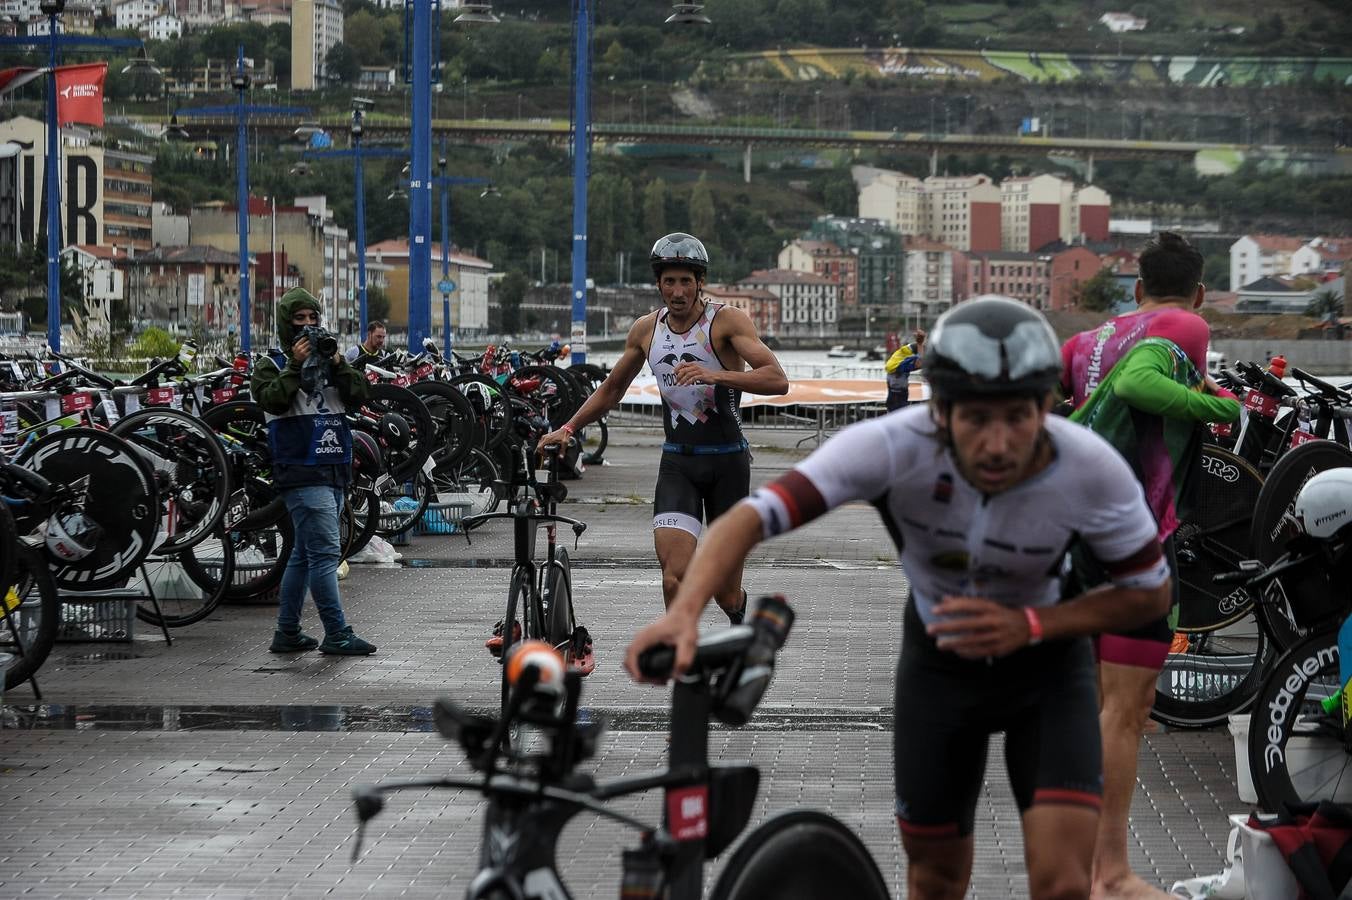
(345,643)
(293,642)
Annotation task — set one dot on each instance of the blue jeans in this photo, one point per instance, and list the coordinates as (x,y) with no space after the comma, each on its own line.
(314,559)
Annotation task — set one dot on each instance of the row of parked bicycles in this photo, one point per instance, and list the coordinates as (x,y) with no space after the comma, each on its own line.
(157,488)
(1261,596)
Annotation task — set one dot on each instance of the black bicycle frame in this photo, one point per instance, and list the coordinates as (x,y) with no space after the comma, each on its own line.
(704,807)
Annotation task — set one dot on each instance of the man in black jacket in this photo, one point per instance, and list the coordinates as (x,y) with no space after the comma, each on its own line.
(305,398)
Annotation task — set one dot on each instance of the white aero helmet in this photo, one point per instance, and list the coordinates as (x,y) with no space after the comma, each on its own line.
(1324,504)
(71,536)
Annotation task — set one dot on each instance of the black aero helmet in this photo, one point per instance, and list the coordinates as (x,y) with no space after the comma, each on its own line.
(992,346)
(679,249)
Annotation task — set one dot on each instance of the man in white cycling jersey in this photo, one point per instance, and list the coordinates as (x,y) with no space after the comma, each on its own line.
(982,492)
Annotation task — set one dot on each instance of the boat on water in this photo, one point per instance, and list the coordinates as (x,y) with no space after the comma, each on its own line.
(876,354)
(839,352)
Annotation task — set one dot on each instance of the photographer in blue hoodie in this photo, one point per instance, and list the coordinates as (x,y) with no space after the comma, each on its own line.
(305,393)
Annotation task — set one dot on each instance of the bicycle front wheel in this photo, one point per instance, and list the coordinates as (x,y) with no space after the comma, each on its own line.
(187,584)
(190,468)
(1209,675)
(31,612)
(1297,754)
(801,855)
(558,601)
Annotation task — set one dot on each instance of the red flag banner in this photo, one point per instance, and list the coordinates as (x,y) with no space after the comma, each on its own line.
(79,93)
(13,79)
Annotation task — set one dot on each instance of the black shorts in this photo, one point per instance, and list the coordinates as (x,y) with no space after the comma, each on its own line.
(1145,646)
(1044,699)
(696,489)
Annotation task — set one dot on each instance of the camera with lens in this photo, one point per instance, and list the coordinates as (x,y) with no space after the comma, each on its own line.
(321,341)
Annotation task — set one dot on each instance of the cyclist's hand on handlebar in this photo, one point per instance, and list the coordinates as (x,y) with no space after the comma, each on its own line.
(554,442)
(674,630)
(976,628)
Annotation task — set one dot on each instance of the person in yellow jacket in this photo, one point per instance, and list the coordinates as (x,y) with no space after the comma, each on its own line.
(899,367)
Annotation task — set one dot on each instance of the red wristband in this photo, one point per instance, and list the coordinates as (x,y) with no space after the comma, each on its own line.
(1034,625)
(568,427)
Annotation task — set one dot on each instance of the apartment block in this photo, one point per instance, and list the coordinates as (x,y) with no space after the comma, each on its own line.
(387,269)
(127,221)
(316,26)
(876,247)
(970,213)
(829,260)
(929,278)
(760,305)
(1256,256)
(960,211)
(808,303)
(1023,276)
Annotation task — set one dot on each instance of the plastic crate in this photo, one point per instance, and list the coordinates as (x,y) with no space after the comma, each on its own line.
(93,618)
(441,518)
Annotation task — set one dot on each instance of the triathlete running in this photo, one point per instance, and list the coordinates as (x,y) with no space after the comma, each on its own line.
(982,492)
(704,355)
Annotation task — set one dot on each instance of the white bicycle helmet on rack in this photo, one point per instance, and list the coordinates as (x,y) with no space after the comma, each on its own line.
(71,536)
(1324,505)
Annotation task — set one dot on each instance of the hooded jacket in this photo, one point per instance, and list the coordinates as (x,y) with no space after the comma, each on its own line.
(308,434)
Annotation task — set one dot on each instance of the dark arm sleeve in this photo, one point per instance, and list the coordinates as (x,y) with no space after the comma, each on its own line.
(274,389)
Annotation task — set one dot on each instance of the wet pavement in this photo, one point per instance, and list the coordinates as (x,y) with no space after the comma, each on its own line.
(213,768)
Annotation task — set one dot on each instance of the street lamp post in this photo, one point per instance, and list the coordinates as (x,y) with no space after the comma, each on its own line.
(241,111)
(358,152)
(51,179)
(444,183)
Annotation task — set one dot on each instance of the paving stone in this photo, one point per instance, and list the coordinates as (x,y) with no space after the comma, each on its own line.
(255,804)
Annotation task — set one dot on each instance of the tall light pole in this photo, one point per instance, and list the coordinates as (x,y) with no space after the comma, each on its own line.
(51,179)
(687,13)
(357,152)
(241,111)
(446,286)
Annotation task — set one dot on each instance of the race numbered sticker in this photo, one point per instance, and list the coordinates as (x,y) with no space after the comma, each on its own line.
(688,812)
(163,396)
(1257,401)
(223,395)
(76,402)
(1302,437)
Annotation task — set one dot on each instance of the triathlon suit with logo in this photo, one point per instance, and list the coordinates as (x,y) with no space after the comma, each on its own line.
(1008,548)
(1087,358)
(705,467)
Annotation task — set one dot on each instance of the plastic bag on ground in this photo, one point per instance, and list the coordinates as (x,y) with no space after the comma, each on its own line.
(378,550)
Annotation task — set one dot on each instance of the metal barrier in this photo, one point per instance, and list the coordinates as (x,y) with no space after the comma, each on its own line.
(820,420)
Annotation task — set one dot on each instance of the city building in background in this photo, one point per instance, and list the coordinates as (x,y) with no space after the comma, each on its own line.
(759,304)
(316,26)
(808,303)
(387,269)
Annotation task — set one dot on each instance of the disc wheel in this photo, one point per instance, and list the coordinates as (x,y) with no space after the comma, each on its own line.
(1212,538)
(117,489)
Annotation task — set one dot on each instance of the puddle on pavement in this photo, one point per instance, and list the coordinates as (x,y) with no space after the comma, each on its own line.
(85,659)
(116,717)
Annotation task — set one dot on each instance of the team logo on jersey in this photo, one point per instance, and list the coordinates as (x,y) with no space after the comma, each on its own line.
(952,560)
(669,360)
(328,442)
(943,488)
